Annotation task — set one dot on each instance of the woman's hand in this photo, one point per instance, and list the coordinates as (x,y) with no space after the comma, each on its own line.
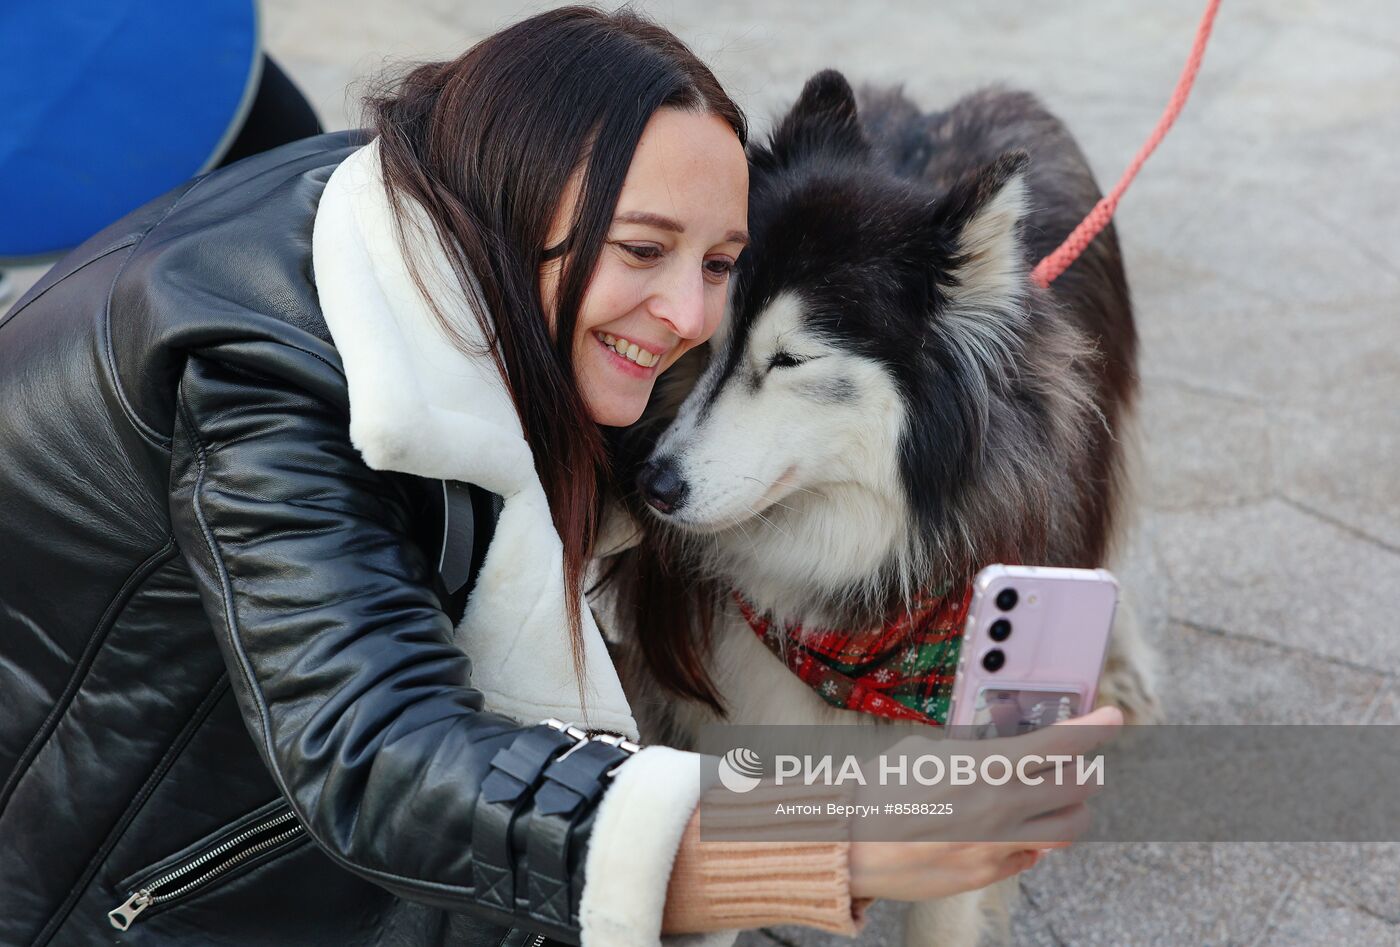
(1032,820)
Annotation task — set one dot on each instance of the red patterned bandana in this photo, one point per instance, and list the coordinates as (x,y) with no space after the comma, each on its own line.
(903,670)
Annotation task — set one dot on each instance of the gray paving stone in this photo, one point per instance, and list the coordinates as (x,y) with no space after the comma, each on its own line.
(1255,232)
(1203,448)
(1348,210)
(1359,877)
(1269,571)
(1386,711)
(1176,289)
(1361,19)
(1342,458)
(1318,917)
(1267,165)
(1367,214)
(1277,355)
(956,45)
(1217,679)
(1347,80)
(1156,894)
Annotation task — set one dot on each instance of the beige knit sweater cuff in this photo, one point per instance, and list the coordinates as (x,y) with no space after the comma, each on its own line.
(723,885)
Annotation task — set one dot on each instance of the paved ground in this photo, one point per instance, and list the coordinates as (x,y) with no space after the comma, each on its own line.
(1263,246)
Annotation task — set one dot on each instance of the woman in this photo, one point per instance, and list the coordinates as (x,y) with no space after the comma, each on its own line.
(261,440)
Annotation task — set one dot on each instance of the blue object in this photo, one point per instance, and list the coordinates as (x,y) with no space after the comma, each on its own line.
(109,103)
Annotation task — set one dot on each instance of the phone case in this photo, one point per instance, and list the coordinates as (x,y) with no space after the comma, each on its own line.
(1052,656)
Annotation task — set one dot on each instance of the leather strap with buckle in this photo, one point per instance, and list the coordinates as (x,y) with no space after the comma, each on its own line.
(572,783)
(504,794)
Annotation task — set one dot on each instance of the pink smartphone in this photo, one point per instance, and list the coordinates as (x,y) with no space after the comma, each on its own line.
(1033,648)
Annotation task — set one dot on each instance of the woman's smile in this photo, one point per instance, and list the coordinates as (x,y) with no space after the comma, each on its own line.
(629,357)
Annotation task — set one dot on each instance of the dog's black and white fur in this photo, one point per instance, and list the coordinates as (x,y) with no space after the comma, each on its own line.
(892,403)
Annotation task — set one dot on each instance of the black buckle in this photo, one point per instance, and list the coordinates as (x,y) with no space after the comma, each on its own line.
(577,777)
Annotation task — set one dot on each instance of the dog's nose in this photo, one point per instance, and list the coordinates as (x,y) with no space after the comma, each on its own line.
(662,486)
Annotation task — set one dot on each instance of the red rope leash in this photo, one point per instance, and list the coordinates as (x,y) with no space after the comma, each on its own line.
(1078,241)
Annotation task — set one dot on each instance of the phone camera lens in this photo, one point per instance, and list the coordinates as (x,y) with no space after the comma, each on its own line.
(1006,599)
(1000,630)
(994,659)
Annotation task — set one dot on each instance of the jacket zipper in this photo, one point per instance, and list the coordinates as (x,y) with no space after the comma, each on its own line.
(238,849)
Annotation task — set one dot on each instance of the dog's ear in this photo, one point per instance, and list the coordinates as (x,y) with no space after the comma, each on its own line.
(978,253)
(823,119)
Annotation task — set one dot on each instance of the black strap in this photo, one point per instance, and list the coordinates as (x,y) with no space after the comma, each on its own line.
(571,784)
(455,560)
(504,793)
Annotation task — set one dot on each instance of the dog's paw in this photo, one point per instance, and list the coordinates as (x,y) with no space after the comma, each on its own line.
(1129,679)
(1131,691)
(960,920)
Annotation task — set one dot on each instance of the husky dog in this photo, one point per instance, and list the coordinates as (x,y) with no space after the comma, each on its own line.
(892,403)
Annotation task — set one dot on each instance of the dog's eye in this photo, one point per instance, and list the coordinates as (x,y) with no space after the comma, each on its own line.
(784,360)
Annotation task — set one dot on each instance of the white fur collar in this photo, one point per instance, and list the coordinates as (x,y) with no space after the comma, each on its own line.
(419,405)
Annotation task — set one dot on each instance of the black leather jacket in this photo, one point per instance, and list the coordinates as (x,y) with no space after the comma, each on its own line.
(226,667)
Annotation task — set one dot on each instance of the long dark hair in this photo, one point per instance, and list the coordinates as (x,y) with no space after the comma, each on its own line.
(487,144)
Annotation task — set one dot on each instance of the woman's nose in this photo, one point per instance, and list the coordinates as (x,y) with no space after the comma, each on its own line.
(682,304)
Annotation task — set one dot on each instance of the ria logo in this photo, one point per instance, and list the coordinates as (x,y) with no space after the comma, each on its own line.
(740,769)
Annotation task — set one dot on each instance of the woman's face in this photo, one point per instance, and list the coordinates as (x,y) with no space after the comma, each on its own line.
(662,277)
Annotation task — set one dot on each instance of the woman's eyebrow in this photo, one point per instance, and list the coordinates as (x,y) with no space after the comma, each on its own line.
(675,226)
